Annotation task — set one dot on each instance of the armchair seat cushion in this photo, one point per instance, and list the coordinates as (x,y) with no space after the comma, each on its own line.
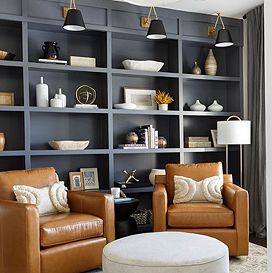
(68,227)
(199,215)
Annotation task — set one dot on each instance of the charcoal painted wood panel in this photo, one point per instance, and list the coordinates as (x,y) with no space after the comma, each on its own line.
(12,7)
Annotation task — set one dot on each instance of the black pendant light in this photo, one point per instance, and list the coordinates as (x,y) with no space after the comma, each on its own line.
(156,29)
(223,36)
(74,20)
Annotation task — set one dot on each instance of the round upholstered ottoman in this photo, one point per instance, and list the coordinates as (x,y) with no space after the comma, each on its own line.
(166,252)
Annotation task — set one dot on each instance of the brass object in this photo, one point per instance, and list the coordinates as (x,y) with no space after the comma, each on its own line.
(2,141)
(85,94)
(145,21)
(65,11)
(7,98)
(130,176)
(211,31)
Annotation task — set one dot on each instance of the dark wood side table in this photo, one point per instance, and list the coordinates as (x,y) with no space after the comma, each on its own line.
(125,225)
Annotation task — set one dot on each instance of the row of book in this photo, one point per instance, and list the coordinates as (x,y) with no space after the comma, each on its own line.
(148,138)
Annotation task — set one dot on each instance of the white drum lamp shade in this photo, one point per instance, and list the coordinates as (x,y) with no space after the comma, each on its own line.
(233,132)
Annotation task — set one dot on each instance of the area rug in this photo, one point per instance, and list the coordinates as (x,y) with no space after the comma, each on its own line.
(254,263)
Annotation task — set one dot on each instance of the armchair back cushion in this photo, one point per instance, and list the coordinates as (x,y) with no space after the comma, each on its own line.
(195,171)
(39,178)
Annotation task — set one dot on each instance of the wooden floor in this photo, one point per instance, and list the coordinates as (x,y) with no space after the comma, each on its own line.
(258,241)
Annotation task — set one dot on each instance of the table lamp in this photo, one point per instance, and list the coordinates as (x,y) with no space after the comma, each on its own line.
(234,132)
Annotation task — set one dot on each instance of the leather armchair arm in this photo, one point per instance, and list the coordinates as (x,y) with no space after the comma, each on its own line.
(98,204)
(19,237)
(236,199)
(160,204)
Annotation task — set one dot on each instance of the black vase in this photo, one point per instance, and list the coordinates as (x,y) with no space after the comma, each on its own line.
(50,50)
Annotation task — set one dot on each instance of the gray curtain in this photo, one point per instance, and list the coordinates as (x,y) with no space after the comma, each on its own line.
(255,181)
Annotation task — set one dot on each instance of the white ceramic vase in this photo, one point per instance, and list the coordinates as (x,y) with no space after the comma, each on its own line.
(215,107)
(163,107)
(198,106)
(155,172)
(42,97)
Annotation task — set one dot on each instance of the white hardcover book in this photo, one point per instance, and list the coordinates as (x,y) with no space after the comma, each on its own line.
(156,139)
(152,146)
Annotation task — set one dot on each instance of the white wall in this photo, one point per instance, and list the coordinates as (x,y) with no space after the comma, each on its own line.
(268,99)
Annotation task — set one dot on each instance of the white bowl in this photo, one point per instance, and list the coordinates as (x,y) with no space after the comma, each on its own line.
(125,105)
(147,65)
(68,144)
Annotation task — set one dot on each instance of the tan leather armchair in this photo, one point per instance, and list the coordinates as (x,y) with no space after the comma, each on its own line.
(66,242)
(228,222)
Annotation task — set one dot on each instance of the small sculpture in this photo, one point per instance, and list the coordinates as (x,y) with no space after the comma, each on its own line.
(130,176)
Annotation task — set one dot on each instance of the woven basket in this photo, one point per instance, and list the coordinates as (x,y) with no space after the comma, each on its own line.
(142,216)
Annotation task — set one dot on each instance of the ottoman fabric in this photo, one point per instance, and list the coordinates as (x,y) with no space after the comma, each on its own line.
(166,252)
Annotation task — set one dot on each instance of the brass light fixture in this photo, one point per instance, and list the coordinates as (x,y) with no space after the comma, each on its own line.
(73,20)
(156,29)
(223,36)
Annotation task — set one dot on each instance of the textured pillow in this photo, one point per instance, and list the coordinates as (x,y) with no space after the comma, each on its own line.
(49,200)
(206,190)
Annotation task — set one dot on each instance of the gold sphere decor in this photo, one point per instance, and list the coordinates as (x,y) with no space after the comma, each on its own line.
(85,94)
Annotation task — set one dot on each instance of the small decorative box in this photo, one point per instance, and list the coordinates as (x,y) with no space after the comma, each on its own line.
(7,98)
(82,61)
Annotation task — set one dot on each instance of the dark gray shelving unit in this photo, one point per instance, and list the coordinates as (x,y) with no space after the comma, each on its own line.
(113,34)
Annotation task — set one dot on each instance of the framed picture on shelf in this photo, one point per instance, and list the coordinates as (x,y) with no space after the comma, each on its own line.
(214,138)
(143,98)
(90,178)
(76,181)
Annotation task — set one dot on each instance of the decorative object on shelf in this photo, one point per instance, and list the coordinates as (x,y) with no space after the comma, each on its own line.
(223,37)
(86,106)
(42,96)
(197,142)
(132,138)
(144,99)
(56,102)
(5,55)
(156,29)
(6,98)
(214,139)
(155,172)
(85,94)
(215,107)
(90,178)
(62,97)
(2,141)
(73,20)
(162,142)
(50,50)
(115,192)
(147,65)
(131,146)
(47,61)
(163,99)
(210,64)
(76,181)
(234,132)
(197,106)
(196,69)
(82,61)
(128,106)
(130,175)
(68,144)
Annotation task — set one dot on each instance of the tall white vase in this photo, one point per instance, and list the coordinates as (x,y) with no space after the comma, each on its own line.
(42,97)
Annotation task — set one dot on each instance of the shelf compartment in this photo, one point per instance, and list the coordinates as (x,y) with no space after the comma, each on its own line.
(227,58)
(67,110)
(12,125)
(67,126)
(8,163)
(11,38)
(132,73)
(11,80)
(226,93)
(168,127)
(69,82)
(86,44)
(210,78)
(143,163)
(65,164)
(170,85)
(135,47)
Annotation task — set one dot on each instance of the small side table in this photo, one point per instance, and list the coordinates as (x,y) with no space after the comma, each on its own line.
(124,224)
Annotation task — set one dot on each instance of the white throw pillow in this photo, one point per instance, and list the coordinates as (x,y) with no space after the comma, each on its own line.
(206,190)
(49,200)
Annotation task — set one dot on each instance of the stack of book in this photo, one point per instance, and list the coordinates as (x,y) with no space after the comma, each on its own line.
(197,142)
(148,138)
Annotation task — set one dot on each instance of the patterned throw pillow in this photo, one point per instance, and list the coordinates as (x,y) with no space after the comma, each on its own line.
(49,200)
(206,190)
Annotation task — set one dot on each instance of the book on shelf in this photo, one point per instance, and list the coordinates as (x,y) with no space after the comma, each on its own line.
(131,146)
(196,139)
(198,144)
(52,61)
(147,135)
